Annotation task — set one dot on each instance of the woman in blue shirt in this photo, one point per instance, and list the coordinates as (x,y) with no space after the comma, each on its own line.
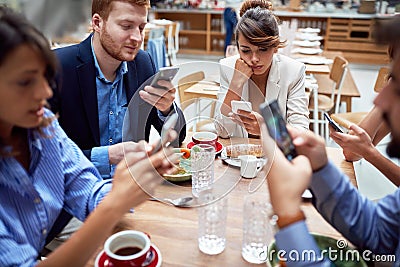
(42,171)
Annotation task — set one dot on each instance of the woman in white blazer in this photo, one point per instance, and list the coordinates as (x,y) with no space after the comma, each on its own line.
(259,74)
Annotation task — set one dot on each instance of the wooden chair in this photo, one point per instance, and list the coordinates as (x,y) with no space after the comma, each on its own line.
(348,118)
(173,42)
(322,103)
(171,35)
(201,122)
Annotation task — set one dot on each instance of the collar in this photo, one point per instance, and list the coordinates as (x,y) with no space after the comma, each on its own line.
(122,69)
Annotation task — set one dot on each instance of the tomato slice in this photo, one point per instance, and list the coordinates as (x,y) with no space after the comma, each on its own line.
(186,153)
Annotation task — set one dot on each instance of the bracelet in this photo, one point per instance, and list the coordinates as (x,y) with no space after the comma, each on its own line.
(283,221)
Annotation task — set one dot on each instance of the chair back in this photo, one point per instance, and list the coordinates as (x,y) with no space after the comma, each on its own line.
(337,75)
(156,33)
(382,78)
(184,83)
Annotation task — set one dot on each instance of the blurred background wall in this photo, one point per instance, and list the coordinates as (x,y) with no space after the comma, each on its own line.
(54,17)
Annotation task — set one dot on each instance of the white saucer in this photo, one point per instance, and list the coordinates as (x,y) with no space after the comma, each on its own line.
(315,60)
(306,43)
(309,51)
(102,261)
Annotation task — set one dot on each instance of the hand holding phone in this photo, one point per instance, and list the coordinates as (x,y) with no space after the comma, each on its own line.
(166,74)
(243,105)
(276,126)
(333,123)
(168,125)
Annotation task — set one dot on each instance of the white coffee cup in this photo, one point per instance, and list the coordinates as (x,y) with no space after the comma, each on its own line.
(127,248)
(249,166)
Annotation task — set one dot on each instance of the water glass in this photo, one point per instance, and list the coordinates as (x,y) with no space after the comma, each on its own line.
(257,230)
(212,222)
(202,157)
(231,50)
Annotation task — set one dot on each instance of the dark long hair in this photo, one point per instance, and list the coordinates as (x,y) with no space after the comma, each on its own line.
(15,31)
(258,24)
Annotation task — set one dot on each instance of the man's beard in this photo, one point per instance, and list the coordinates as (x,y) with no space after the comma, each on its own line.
(393,148)
(108,45)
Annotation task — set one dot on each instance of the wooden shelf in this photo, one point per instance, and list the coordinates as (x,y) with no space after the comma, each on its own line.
(200,32)
(354,38)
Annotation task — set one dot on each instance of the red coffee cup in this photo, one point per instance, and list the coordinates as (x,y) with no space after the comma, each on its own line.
(207,138)
(127,248)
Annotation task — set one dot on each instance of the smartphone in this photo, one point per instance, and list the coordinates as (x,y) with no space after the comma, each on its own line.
(243,105)
(333,123)
(166,74)
(277,128)
(169,123)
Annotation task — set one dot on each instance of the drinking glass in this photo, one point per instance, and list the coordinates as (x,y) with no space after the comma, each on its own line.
(231,50)
(212,222)
(257,230)
(203,157)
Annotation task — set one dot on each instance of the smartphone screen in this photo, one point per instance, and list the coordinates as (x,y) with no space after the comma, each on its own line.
(168,125)
(166,73)
(333,123)
(243,105)
(276,126)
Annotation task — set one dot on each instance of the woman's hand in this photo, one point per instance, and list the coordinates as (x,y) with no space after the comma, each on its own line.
(356,145)
(242,74)
(251,121)
(134,180)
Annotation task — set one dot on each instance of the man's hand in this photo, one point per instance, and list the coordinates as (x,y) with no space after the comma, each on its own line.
(160,98)
(287,180)
(117,152)
(249,120)
(356,144)
(310,145)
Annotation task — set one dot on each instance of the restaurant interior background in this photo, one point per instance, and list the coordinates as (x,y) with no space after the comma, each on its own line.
(69,22)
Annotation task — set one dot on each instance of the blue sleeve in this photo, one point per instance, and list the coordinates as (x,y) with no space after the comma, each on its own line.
(83,185)
(368,225)
(99,157)
(296,247)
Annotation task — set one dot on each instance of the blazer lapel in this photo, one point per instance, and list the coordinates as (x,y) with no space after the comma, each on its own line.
(273,87)
(87,85)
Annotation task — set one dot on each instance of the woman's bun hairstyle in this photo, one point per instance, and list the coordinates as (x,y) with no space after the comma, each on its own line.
(249,4)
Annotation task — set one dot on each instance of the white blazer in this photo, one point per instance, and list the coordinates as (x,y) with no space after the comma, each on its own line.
(285,83)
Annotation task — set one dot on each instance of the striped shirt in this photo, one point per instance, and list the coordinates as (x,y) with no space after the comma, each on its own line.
(59,176)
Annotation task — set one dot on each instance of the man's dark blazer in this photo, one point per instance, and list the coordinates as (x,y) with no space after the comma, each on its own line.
(76,99)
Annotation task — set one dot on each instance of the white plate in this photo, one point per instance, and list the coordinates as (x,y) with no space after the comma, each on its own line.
(235,162)
(307,43)
(309,36)
(309,51)
(310,30)
(315,60)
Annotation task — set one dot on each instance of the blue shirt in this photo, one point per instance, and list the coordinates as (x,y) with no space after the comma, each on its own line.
(368,225)
(112,105)
(59,176)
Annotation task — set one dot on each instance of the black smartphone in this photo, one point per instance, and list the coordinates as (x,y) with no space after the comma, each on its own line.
(276,126)
(333,123)
(166,73)
(169,123)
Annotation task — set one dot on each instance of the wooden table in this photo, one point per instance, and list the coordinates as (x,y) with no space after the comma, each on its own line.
(174,230)
(349,89)
(203,88)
